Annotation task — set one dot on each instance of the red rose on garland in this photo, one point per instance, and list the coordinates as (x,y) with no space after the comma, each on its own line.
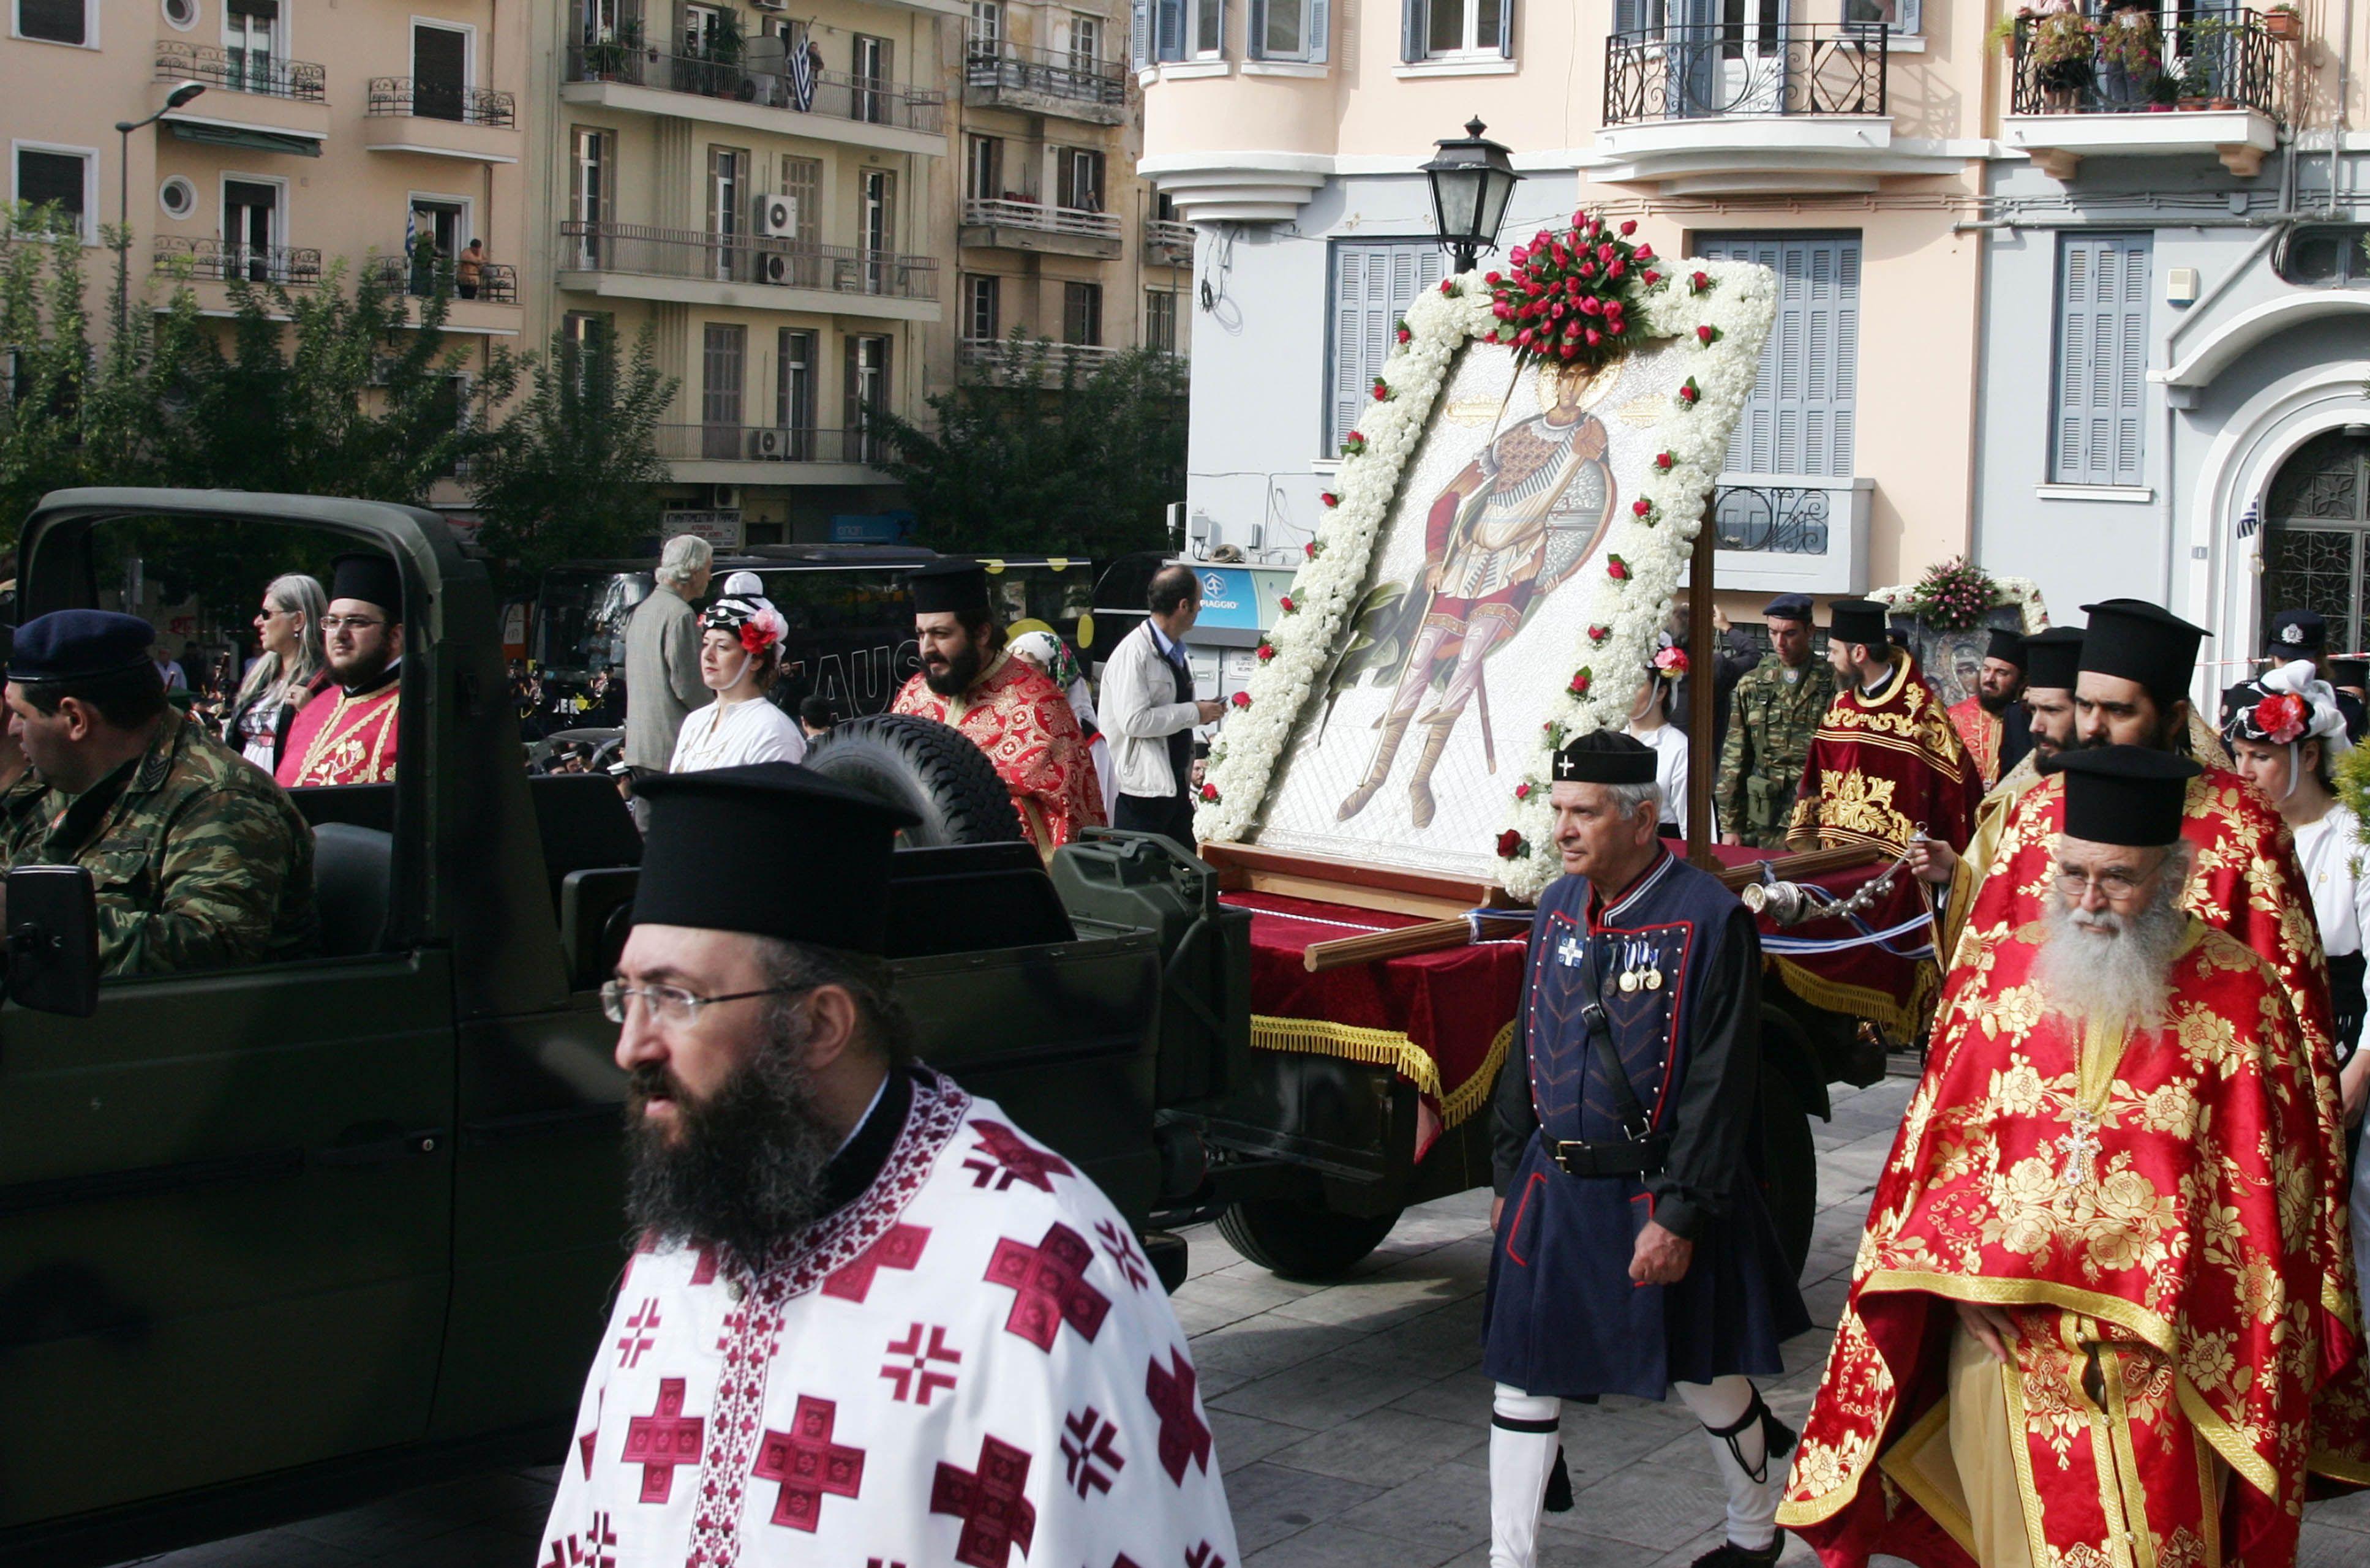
(1511,845)
(1663,460)
(1617,569)
(1523,792)
(1241,699)
(1580,683)
(1689,393)
(1266,652)
(1598,633)
(1581,278)
(1210,794)
(1382,389)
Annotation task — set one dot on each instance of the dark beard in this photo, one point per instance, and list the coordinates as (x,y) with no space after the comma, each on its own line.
(961,669)
(745,1168)
(1993,706)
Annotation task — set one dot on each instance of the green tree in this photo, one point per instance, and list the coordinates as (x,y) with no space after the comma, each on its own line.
(574,470)
(1034,457)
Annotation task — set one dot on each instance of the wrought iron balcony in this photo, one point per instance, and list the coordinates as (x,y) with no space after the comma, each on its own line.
(868,101)
(768,444)
(220,260)
(644,251)
(1719,69)
(1044,72)
(497,281)
(2221,60)
(442,100)
(1021,215)
(1168,241)
(1006,357)
(1783,520)
(239,70)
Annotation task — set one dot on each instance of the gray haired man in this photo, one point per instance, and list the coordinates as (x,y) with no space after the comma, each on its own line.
(662,684)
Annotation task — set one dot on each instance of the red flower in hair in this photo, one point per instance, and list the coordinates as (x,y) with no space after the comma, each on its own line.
(2282,717)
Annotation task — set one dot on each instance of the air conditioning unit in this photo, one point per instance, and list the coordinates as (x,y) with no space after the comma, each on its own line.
(774,268)
(771,445)
(777,217)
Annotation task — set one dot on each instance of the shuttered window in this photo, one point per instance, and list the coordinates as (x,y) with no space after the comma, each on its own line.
(1289,29)
(1373,286)
(2102,299)
(1798,419)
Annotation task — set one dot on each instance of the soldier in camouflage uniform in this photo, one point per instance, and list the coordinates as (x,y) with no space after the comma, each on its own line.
(1776,707)
(197,859)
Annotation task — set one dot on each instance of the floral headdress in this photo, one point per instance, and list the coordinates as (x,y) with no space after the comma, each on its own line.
(2287,706)
(755,621)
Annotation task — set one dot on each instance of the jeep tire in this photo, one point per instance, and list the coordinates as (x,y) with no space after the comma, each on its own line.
(1299,1240)
(930,769)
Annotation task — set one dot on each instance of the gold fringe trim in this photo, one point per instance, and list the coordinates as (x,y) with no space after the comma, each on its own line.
(1386,1047)
(1903,1019)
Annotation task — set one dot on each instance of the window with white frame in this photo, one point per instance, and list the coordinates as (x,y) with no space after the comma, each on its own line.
(60,178)
(1374,283)
(1086,43)
(986,28)
(1456,29)
(983,309)
(1900,16)
(1082,314)
(1289,29)
(251,42)
(56,21)
(983,160)
(1160,320)
(2096,436)
(1177,29)
(1078,178)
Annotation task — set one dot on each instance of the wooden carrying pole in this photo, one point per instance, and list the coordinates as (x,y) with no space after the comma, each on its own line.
(1703,683)
(1429,937)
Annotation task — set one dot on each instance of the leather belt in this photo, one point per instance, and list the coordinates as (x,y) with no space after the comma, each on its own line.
(1643,1157)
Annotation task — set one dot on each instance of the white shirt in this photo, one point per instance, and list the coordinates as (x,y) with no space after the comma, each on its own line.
(1670,744)
(726,734)
(2331,855)
(1140,711)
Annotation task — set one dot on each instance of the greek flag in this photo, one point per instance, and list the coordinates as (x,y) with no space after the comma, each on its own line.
(801,67)
(2249,524)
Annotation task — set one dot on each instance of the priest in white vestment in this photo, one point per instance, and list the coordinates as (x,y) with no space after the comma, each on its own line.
(871,1322)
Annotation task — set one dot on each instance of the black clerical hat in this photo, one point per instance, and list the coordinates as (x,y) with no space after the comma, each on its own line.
(1602,756)
(2050,659)
(2294,633)
(2006,646)
(74,645)
(957,585)
(2349,671)
(370,577)
(2134,640)
(1789,607)
(1856,620)
(2132,796)
(772,849)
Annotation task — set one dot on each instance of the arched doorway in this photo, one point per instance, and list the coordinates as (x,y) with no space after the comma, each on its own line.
(2317,534)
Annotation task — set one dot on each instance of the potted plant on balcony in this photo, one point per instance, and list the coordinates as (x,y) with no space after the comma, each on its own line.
(2131,56)
(2284,21)
(2062,48)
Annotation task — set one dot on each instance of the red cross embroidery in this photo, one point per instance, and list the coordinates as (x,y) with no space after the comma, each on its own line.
(638,1337)
(704,1270)
(990,1501)
(1001,1156)
(809,1464)
(1184,1439)
(1204,1555)
(1120,1247)
(587,1441)
(900,1247)
(662,1440)
(1049,1286)
(1087,1443)
(915,1379)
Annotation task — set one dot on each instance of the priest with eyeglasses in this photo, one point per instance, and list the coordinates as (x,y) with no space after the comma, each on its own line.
(869,1319)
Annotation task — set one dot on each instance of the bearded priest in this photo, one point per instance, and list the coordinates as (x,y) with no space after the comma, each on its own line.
(869,1319)
(1007,708)
(2089,1321)
(1886,764)
(346,732)
(1992,720)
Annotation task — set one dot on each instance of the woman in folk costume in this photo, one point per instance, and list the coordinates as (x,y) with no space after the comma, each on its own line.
(1052,655)
(739,656)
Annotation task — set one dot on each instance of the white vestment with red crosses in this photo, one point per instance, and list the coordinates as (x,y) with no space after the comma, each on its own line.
(970,1363)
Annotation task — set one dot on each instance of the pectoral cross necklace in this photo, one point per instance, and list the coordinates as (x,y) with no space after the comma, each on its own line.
(2100,1053)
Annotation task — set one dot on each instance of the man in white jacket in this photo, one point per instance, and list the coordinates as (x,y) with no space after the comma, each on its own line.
(1148,711)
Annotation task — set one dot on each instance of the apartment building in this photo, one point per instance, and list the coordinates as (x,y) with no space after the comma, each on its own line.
(326,135)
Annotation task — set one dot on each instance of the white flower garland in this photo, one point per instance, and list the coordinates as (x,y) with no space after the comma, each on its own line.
(2022,592)
(1635,576)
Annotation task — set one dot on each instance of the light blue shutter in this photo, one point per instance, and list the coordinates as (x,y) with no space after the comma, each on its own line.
(1168,30)
(1628,16)
(1410,31)
(1255,41)
(1506,30)
(1798,419)
(1320,26)
(1373,286)
(2102,306)
(1905,17)
(1139,29)
(1218,45)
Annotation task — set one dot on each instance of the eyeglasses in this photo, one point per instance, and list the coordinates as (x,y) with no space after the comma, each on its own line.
(341,623)
(2110,883)
(673,1004)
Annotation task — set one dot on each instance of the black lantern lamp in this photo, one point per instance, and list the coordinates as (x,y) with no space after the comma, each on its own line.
(1472,181)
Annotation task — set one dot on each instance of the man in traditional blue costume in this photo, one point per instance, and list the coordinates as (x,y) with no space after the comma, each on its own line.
(1633,1254)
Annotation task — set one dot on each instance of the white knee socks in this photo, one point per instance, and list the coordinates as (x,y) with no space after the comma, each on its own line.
(1752,1505)
(1522,1451)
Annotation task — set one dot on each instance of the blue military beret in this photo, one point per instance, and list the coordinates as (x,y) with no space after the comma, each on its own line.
(74,645)
(1789,607)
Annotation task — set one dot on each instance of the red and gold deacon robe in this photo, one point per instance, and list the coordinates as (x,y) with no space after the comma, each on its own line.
(1016,715)
(342,738)
(2144,1206)
(1996,741)
(1884,767)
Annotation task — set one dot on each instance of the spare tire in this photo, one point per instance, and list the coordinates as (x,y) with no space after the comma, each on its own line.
(930,769)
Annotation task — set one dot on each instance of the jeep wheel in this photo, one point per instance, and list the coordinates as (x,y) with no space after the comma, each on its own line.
(1790,1164)
(1301,1240)
(930,769)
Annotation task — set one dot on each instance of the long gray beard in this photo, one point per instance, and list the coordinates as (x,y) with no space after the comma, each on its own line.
(2125,974)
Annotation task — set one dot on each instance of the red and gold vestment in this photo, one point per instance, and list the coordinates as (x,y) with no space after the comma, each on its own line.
(1883,766)
(338,739)
(2147,1208)
(1017,715)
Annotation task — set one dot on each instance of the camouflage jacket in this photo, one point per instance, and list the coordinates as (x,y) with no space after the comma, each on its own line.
(199,861)
(1771,722)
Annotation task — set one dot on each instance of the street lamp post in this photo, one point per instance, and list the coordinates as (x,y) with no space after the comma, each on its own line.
(1472,180)
(123,130)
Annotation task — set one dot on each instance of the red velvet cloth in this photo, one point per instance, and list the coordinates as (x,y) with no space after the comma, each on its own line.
(1862,982)
(1454,1007)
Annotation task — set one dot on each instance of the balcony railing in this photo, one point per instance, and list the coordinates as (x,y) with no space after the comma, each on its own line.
(1783,520)
(442,100)
(1002,354)
(768,444)
(1045,71)
(1169,238)
(220,260)
(1717,69)
(497,281)
(2074,65)
(239,70)
(649,252)
(868,101)
(1015,214)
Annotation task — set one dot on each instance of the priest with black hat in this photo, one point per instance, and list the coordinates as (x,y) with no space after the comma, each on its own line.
(1007,708)
(1632,1252)
(869,1319)
(2099,1315)
(346,732)
(1886,764)
(1991,718)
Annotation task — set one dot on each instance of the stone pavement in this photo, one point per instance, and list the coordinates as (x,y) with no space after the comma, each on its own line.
(1351,1420)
